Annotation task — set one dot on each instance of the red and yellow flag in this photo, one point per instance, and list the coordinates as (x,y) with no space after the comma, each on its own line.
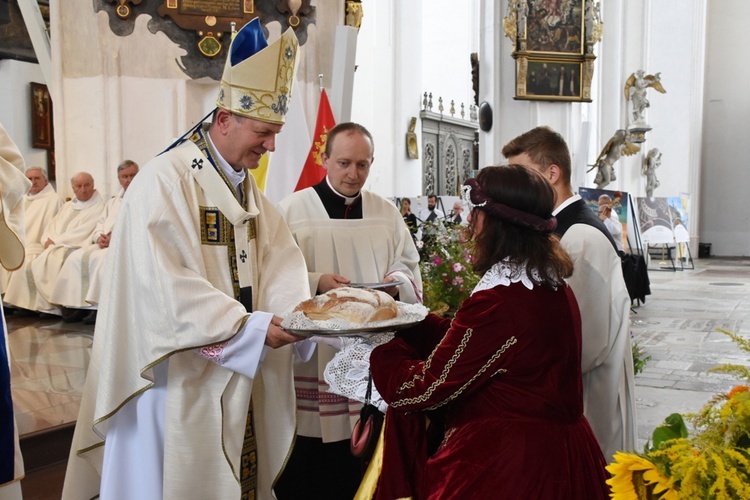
(313,171)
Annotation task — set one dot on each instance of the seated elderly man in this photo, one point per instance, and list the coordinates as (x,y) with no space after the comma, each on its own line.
(41,205)
(31,286)
(78,284)
(457,215)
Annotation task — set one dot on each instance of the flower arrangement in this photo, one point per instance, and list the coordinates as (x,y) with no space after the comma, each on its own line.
(446,268)
(713,463)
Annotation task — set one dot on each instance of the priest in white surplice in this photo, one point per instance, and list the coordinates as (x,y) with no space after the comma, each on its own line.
(199,267)
(78,284)
(41,204)
(346,234)
(31,287)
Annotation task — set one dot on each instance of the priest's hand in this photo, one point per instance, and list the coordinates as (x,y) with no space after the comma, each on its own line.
(391,290)
(331,281)
(48,243)
(103,240)
(277,337)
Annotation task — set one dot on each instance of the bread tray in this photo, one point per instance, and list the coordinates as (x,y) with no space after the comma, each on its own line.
(375,286)
(352,332)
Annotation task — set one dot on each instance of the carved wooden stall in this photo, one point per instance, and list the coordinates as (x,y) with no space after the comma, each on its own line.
(448,157)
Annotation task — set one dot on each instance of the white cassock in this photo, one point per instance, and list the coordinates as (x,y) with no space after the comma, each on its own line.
(78,284)
(176,356)
(31,287)
(40,209)
(366,250)
(606,357)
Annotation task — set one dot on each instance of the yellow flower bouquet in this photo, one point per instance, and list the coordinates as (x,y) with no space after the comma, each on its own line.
(712,463)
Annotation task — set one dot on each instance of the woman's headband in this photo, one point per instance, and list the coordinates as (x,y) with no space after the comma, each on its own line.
(473,195)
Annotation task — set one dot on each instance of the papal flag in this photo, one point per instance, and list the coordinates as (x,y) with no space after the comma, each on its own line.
(313,171)
(261,172)
(285,164)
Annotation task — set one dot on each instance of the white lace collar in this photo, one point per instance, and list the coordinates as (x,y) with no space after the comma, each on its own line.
(504,273)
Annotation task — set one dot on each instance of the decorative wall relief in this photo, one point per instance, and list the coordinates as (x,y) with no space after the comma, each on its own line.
(203,27)
(553,47)
(354,13)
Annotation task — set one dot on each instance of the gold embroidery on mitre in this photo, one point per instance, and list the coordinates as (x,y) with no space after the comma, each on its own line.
(261,86)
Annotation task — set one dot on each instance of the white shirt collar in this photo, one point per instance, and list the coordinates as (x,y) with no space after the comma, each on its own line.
(80,205)
(348,200)
(235,178)
(567,202)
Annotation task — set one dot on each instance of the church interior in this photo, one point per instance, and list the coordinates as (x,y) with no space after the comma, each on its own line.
(442,86)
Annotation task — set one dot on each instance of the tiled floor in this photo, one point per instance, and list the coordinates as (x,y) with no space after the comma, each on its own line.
(675,326)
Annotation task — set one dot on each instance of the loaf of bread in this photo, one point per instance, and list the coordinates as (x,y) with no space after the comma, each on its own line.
(355,305)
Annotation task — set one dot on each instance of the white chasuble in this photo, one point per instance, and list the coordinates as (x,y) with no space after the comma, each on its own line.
(363,250)
(40,209)
(79,282)
(171,280)
(606,356)
(69,229)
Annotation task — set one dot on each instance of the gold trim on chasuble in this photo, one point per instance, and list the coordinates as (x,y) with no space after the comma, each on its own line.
(217,230)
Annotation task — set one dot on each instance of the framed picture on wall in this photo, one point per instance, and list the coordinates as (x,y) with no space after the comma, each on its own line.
(553,47)
(41,117)
(553,80)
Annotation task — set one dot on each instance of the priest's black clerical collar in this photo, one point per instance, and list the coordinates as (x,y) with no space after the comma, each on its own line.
(337,205)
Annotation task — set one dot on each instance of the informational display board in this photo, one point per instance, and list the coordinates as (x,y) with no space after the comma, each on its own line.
(655,219)
(619,201)
(678,210)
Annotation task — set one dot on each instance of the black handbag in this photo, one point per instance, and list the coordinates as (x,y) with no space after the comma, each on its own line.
(367,429)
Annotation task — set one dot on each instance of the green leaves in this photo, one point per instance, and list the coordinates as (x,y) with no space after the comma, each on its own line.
(673,428)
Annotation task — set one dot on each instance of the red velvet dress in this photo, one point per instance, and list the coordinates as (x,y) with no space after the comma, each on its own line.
(507,371)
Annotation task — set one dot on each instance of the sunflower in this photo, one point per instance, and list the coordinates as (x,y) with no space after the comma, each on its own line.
(635,477)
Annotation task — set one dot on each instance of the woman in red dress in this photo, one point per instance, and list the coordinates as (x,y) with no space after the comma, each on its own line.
(505,371)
